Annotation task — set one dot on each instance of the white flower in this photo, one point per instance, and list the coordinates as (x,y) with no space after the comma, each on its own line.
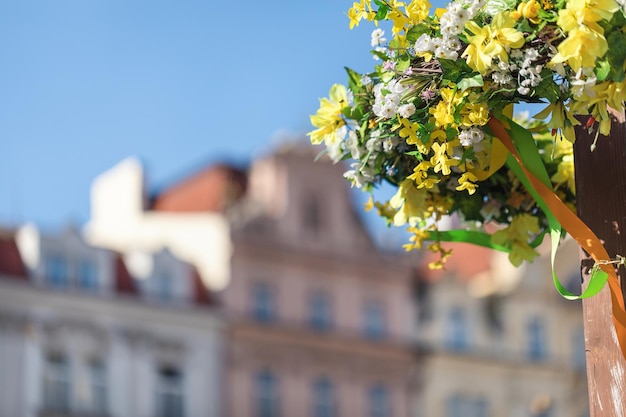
(352,145)
(471,136)
(388,110)
(396,87)
(366,80)
(465,138)
(377,37)
(374,145)
(406,110)
(423,44)
(389,144)
(580,86)
(335,151)
(501,78)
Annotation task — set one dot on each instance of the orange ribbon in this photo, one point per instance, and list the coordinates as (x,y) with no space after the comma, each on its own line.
(585,237)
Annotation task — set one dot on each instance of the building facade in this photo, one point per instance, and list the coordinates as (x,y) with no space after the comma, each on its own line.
(319,320)
(499,340)
(85,331)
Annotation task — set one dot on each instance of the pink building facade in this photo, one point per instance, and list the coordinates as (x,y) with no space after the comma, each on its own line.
(319,321)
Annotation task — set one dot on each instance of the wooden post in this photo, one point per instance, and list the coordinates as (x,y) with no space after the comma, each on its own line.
(601,204)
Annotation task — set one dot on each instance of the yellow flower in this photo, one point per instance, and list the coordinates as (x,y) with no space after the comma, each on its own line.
(369,204)
(488,42)
(565,173)
(417,10)
(360,10)
(417,238)
(475,114)
(581,48)
(421,177)
(409,203)
(444,111)
(443,255)
(409,131)
(562,119)
(467,181)
(529,10)
(443,115)
(440,160)
(585,41)
(328,117)
(516,236)
(606,94)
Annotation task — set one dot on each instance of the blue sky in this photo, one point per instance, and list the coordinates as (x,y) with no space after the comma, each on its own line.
(179,84)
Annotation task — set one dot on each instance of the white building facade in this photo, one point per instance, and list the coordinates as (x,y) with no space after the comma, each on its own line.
(85,331)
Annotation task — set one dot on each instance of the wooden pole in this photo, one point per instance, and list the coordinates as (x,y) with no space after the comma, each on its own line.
(601,204)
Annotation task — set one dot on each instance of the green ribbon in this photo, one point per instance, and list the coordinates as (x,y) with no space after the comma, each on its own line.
(529,155)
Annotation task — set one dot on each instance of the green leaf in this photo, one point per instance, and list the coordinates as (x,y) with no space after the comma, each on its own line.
(602,70)
(381,14)
(454,71)
(475,80)
(402,62)
(380,55)
(616,55)
(548,88)
(354,79)
(416,31)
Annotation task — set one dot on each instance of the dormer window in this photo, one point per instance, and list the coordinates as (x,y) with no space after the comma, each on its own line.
(57,271)
(163,286)
(87,275)
(61,272)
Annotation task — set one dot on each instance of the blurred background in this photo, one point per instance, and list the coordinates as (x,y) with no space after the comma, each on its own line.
(170,247)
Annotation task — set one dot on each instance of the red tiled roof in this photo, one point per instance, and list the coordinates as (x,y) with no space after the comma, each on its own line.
(211,190)
(465,263)
(10,259)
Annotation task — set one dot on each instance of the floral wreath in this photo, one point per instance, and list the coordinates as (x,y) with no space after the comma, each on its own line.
(435,120)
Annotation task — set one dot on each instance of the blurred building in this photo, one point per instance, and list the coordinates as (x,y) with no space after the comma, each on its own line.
(500,341)
(86,331)
(319,320)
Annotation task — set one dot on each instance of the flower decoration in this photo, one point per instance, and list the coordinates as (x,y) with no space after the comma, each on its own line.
(421,119)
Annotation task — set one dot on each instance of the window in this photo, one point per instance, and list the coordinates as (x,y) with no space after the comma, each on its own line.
(57,271)
(374,317)
(98,389)
(312,219)
(170,393)
(163,286)
(87,275)
(264,303)
(379,401)
(536,339)
(57,383)
(320,311)
(456,335)
(463,406)
(324,398)
(266,391)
